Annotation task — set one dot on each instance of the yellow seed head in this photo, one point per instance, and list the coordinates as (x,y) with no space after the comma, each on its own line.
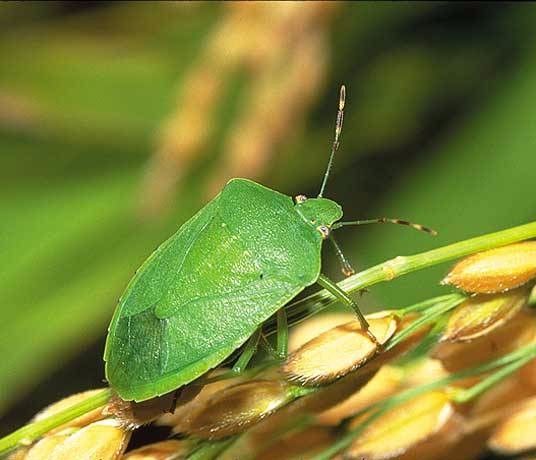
(482,314)
(180,418)
(411,425)
(496,270)
(236,408)
(102,440)
(383,384)
(19,454)
(308,330)
(45,446)
(338,351)
(505,338)
(517,434)
(425,371)
(300,445)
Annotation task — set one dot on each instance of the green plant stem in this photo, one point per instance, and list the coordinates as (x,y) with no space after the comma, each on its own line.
(426,318)
(426,304)
(247,354)
(402,265)
(210,450)
(466,395)
(418,353)
(28,433)
(282,333)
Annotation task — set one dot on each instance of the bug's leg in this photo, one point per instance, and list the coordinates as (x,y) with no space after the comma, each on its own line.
(248,352)
(346,268)
(339,294)
(267,346)
(282,334)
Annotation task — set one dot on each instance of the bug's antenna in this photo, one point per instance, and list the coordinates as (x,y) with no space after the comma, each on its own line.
(338,130)
(386,220)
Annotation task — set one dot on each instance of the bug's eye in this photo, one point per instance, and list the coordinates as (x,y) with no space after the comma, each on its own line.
(324,230)
(300,198)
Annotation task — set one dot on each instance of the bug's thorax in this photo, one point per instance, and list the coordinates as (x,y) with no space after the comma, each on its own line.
(320,213)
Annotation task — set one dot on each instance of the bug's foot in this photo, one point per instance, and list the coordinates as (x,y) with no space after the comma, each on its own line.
(375,340)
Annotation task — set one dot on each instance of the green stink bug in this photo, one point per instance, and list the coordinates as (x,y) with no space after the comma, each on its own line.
(210,287)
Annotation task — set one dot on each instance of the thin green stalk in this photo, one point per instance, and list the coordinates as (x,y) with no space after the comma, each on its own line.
(305,311)
(210,450)
(247,354)
(282,333)
(402,265)
(268,348)
(427,317)
(32,431)
(466,395)
(348,438)
(426,304)
(417,354)
(296,391)
(524,354)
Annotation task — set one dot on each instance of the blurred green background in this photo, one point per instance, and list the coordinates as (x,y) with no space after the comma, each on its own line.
(119,120)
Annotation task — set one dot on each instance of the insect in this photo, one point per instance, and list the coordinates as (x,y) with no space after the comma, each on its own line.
(209,288)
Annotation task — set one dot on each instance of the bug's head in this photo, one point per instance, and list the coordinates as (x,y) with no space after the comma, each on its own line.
(321,213)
